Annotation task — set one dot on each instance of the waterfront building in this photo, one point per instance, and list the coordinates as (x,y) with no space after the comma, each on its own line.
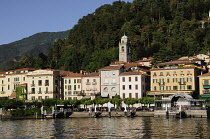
(11,79)
(133,84)
(44,84)
(73,86)
(91,85)
(176,76)
(110,82)
(204,85)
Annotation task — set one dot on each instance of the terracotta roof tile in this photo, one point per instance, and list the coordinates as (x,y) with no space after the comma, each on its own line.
(74,75)
(130,73)
(111,68)
(207,74)
(92,74)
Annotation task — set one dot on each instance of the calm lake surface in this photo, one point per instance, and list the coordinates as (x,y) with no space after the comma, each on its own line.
(107,128)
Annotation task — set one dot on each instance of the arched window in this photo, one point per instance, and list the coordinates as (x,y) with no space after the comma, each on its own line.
(122,49)
(105,89)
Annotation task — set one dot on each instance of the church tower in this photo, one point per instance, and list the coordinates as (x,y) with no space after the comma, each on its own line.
(124,50)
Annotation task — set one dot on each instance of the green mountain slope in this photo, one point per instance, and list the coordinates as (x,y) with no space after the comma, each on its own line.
(33,45)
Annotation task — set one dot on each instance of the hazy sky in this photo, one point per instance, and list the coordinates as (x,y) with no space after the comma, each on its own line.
(22,18)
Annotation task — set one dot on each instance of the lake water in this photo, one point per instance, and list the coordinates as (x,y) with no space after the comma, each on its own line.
(107,128)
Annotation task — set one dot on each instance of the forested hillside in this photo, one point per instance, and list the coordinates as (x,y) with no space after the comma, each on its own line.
(31,46)
(163,29)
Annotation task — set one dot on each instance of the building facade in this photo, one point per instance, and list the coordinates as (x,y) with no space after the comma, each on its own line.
(133,84)
(73,86)
(91,85)
(110,82)
(44,84)
(204,85)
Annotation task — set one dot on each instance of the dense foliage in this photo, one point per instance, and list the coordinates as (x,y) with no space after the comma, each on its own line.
(163,29)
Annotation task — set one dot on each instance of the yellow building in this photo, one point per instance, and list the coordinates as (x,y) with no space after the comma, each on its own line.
(204,84)
(175,76)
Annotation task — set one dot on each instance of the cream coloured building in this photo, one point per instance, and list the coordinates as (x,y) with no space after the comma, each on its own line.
(13,78)
(44,84)
(73,86)
(204,85)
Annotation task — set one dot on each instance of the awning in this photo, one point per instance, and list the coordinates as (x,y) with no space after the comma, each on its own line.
(204,95)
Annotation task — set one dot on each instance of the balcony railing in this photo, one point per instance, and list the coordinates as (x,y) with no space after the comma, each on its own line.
(33,92)
(88,83)
(206,91)
(2,92)
(94,83)
(32,85)
(39,92)
(161,83)
(182,83)
(46,84)
(48,92)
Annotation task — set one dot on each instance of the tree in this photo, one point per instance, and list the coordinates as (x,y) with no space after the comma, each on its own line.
(146,100)
(130,101)
(116,101)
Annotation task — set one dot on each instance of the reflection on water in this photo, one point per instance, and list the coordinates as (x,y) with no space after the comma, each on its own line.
(106,128)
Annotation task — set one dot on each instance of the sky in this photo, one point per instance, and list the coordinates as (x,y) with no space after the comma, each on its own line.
(22,18)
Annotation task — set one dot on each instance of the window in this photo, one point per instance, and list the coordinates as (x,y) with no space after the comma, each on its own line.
(33,98)
(75,81)
(136,79)
(175,80)
(24,78)
(130,87)
(189,87)
(167,74)
(69,81)
(168,87)
(168,80)
(174,73)
(188,72)
(130,95)
(129,79)
(75,87)
(136,87)
(175,87)
(122,48)
(182,87)
(205,82)
(46,90)
(155,88)
(123,95)
(154,74)
(161,87)
(39,82)
(189,79)
(123,87)
(65,86)
(46,97)
(16,79)
(78,80)
(65,81)
(8,87)
(2,81)
(78,86)
(39,97)
(40,90)
(46,82)
(161,81)
(8,79)
(181,80)
(154,80)
(136,95)
(161,73)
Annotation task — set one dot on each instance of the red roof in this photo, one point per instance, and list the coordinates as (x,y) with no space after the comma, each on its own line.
(92,74)
(111,68)
(207,74)
(74,75)
(24,69)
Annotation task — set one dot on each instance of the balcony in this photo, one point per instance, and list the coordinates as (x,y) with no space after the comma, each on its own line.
(48,92)
(206,92)
(189,74)
(161,83)
(32,85)
(88,89)
(94,83)
(39,92)
(88,83)
(46,84)
(33,92)
(2,92)
(182,83)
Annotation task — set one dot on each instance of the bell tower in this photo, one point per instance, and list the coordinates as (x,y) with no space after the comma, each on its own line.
(124,49)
